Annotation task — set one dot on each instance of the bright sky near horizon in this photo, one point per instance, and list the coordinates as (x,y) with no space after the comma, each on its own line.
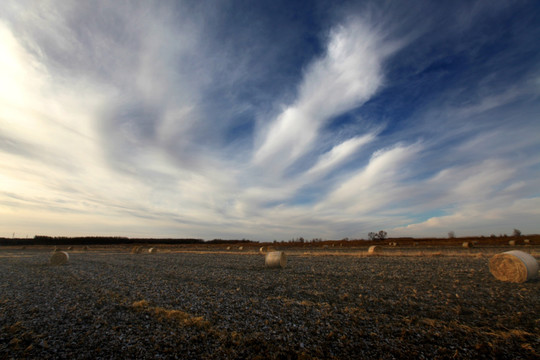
(269,119)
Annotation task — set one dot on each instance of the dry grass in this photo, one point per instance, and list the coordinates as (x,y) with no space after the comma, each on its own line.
(180,317)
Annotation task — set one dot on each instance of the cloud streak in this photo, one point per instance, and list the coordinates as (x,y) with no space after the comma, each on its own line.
(165,119)
(346,76)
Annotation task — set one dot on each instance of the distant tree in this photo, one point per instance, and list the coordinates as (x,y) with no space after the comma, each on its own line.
(516,233)
(382,234)
(451,234)
(372,236)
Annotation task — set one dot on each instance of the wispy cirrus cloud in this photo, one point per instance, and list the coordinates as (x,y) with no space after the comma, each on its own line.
(346,76)
(182,119)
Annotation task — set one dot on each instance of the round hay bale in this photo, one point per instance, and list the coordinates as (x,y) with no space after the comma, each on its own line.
(70,248)
(373,249)
(240,248)
(152,250)
(467,245)
(512,243)
(136,250)
(275,259)
(527,241)
(228,248)
(59,258)
(514,266)
(262,249)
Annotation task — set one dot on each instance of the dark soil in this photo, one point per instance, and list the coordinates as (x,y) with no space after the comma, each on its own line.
(228,306)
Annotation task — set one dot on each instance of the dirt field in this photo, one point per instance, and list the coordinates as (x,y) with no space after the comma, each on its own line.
(330,303)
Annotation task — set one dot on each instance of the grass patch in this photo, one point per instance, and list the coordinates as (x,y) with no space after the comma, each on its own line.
(178,316)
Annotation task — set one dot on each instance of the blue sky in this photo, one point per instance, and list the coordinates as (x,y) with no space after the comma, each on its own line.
(269,119)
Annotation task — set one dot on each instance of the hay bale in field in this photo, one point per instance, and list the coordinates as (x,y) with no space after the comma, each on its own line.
(136,250)
(275,259)
(512,243)
(373,249)
(228,248)
(59,258)
(70,248)
(392,244)
(526,241)
(467,245)
(152,250)
(240,248)
(262,249)
(514,266)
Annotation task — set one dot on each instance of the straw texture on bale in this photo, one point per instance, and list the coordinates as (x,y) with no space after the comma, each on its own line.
(136,250)
(514,266)
(275,259)
(59,258)
(262,249)
(373,249)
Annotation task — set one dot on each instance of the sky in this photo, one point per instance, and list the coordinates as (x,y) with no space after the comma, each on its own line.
(269,120)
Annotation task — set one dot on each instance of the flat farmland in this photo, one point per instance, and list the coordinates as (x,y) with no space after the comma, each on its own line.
(177,303)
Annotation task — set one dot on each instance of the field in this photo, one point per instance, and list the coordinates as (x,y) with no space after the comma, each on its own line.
(207,302)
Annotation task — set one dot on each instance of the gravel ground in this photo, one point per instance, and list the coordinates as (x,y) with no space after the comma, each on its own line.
(228,306)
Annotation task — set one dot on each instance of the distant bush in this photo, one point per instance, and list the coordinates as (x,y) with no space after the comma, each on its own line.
(381,235)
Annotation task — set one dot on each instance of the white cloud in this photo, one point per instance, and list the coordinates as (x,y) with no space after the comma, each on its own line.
(112,126)
(376,185)
(338,154)
(347,75)
(492,217)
